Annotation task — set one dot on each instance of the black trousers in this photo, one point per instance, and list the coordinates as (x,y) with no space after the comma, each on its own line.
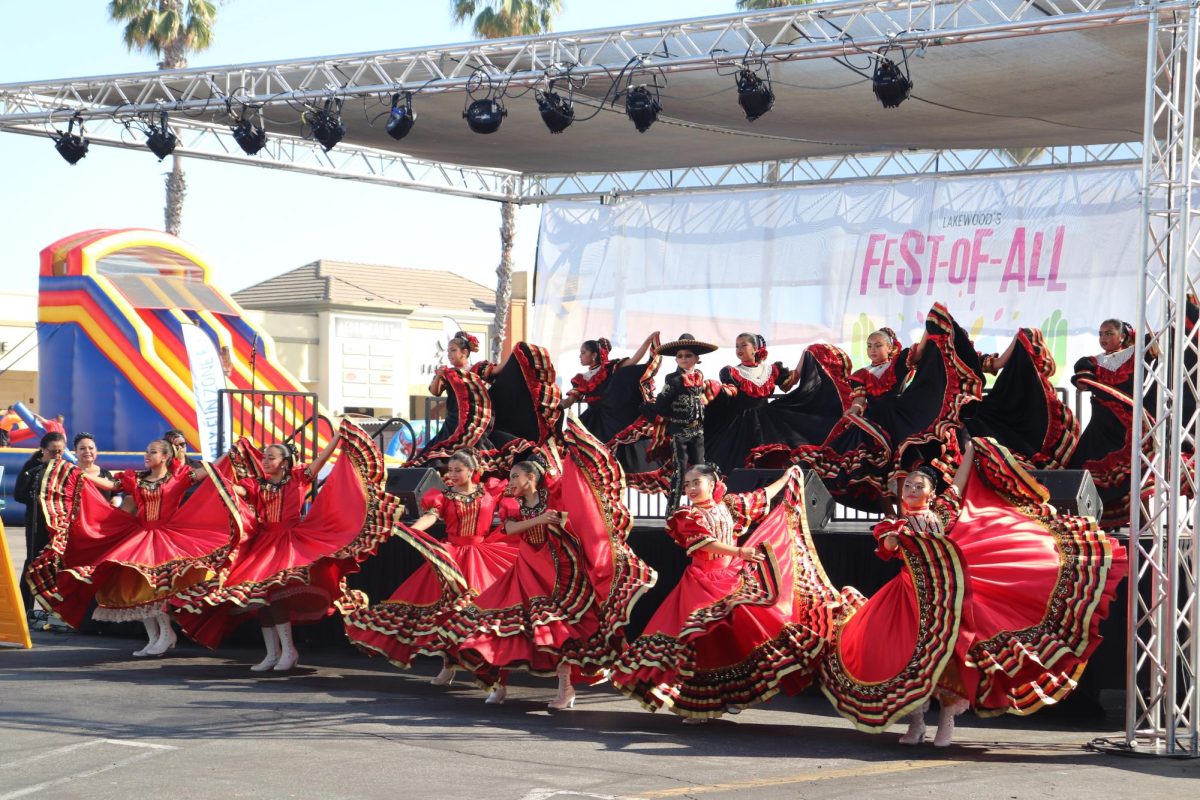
(36,539)
(689,450)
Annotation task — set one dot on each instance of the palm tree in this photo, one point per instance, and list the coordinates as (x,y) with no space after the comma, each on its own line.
(169,29)
(497,19)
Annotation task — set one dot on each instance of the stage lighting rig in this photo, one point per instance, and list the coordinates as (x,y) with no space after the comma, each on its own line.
(642,106)
(160,138)
(890,84)
(325,124)
(250,137)
(755,95)
(402,117)
(70,145)
(557,112)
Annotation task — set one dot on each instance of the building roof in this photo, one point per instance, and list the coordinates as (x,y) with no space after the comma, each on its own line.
(375,286)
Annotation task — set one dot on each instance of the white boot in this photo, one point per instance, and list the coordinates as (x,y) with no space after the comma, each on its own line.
(271,640)
(916,726)
(946,715)
(166,636)
(497,696)
(446,676)
(566,692)
(151,624)
(288,654)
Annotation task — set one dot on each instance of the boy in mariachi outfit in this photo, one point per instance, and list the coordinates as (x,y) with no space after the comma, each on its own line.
(681,404)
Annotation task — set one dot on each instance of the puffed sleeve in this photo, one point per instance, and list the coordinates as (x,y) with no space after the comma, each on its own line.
(782,373)
(251,488)
(484,369)
(726,375)
(947,507)
(434,501)
(887,527)
(1084,368)
(182,469)
(684,527)
(128,479)
(302,475)
(747,508)
(509,512)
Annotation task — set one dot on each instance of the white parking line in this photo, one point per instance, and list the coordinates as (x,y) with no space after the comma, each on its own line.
(148,749)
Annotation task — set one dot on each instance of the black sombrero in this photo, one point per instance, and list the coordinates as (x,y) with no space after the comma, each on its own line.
(685,342)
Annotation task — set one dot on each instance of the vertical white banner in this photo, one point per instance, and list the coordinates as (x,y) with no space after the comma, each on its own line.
(208,377)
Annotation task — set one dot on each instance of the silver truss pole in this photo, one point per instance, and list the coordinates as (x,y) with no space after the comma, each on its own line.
(1161,691)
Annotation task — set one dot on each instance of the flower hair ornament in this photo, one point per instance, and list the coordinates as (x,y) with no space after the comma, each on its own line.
(603,348)
(466,341)
(719,487)
(760,348)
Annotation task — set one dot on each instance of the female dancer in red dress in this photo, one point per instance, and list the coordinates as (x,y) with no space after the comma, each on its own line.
(997,606)
(132,563)
(292,565)
(745,621)
(532,615)
(1106,443)
(614,391)
(468,562)
(908,411)
(563,606)
(499,411)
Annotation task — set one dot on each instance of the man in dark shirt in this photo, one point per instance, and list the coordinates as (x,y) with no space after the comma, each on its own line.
(53,445)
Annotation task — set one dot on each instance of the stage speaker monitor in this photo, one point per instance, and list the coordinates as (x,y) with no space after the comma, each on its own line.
(818,503)
(1072,491)
(409,483)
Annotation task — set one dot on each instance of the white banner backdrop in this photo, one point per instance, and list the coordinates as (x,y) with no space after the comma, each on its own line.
(1055,250)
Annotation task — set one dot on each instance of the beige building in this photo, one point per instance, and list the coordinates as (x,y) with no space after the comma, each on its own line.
(367,338)
(18,350)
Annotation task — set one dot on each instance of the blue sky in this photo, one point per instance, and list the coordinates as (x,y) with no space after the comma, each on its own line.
(255,223)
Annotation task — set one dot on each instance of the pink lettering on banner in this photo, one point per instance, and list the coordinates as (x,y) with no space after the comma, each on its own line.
(904,263)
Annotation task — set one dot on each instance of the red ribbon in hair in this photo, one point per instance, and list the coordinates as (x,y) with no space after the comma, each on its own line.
(719,490)
(760,355)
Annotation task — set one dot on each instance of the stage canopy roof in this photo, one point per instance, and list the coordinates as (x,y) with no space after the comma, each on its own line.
(992,77)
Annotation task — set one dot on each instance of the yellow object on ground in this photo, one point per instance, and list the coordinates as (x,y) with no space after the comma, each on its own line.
(13,627)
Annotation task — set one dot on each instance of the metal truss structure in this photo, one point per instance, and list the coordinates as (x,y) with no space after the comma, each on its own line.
(1163,704)
(1162,701)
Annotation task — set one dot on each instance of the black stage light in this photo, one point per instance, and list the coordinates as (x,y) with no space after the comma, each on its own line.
(326,124)
(754,94)
(160,139)
(642,107)
(250,137)
(401,119)
(557,113)
(890,85)
(485,116)
(70,145)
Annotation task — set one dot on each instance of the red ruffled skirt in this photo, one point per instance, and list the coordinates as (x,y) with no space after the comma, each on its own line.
(1003,611)
(409,623)
(128,566)
(733,633)
(533,617)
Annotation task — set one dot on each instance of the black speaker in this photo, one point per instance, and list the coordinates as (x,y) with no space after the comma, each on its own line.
(1072,491)
(817,500)
(409,483)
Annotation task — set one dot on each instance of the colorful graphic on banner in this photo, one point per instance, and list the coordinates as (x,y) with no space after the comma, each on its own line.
(1058,251)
